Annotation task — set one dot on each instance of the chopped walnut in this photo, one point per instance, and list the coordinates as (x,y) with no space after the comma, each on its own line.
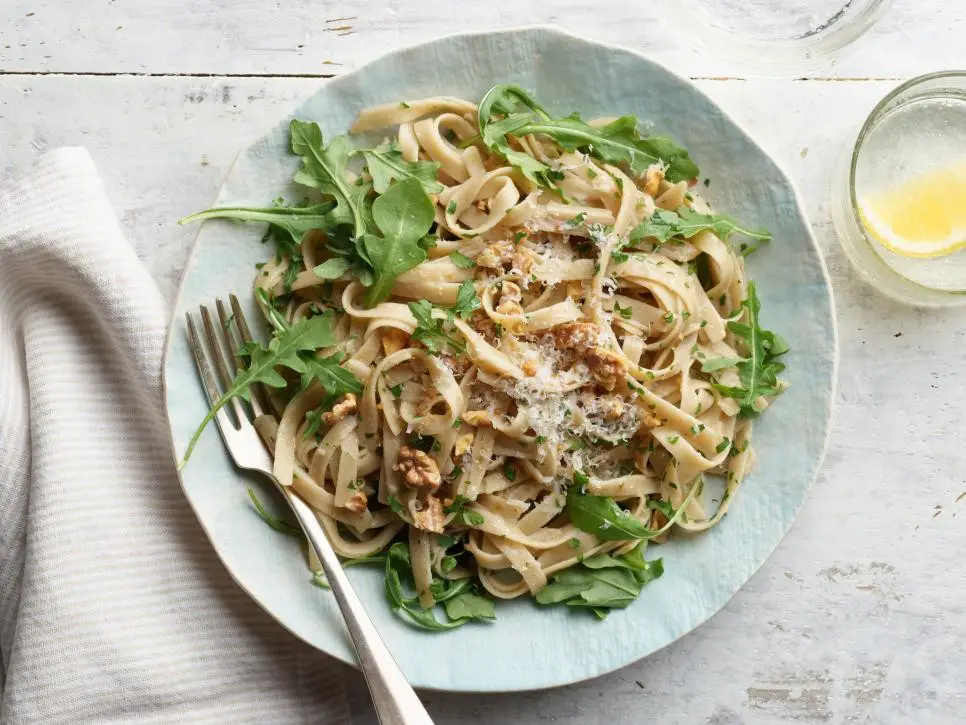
(651,421)
(504,253)
(607,367)
(483,325)
(653,178)
(476,417)
(430,516)
(575,335)
(393,340)
(463,444)
(418,469)
(529,368)
(490,257)
(357,503)
(346,406)
(510,297)
(613,407)
(458,365)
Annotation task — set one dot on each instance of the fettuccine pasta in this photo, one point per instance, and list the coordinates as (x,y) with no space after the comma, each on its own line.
(576,338)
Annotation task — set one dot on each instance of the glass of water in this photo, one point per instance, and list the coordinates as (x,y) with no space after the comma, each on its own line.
(899,202)
(772,38)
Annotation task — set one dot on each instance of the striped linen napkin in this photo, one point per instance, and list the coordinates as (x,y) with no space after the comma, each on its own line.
(113,606)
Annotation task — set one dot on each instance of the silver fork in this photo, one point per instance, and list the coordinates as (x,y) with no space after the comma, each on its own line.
(394,699)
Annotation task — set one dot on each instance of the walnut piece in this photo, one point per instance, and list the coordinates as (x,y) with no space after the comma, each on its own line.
(613,407)
(357,503)
(346,406)
(510,297)
(476,417)
(430,516)
(607,367)
(653,178)
(393,340)
(463,444)
(418,469)
(651,421)
(505,253)
(575,335)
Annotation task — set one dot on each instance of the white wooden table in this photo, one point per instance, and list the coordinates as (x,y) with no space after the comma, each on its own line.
(860,616)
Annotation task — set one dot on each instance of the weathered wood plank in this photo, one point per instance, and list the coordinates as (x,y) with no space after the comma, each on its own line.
(309,38)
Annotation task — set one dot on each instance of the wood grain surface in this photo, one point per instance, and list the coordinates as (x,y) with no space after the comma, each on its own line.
(859,617)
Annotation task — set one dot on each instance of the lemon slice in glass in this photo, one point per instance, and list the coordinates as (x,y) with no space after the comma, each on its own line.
(924,216)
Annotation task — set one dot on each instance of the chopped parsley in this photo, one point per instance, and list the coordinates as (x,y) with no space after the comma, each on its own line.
(461,260)
(574,222)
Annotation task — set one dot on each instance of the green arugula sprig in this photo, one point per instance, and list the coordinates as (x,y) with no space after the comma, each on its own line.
(603,582)
(324,168)
(294,221)
(292,347)
(458,597)
(283,527)
(760,367)
(374,239)
(507,109)
(404,215)
(602,517)
(386,164)
(435,331)
(663,225)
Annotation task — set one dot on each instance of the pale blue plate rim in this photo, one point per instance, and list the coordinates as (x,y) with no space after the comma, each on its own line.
(538,680)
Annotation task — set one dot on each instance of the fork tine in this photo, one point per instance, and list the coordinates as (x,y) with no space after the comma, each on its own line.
(227,324)
(260,396)
(204,371)
(218,355)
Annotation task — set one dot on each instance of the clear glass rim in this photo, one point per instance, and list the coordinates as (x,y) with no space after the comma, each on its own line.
(875,115)
(790,57)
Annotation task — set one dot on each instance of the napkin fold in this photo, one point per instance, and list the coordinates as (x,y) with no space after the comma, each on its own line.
(113,605)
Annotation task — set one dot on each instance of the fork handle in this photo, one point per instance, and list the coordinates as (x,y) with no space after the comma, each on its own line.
(394,699)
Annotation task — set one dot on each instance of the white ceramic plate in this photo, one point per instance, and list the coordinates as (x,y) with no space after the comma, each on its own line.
(530,647)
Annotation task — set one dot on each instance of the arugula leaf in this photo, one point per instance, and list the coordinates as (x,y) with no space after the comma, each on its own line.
(505,98)
(336,380)
(602,582)
(386,164)
(760,368)
(468,517)
(720,363)
(663,225)
(602,517)
(332,268)
(469,605)
(454,595)
(617,142)
(309,335)
(294,221)
(404,214)
(324,168)
(282,527)
(431,331)
(314,418)
(466,299)
(461,260)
